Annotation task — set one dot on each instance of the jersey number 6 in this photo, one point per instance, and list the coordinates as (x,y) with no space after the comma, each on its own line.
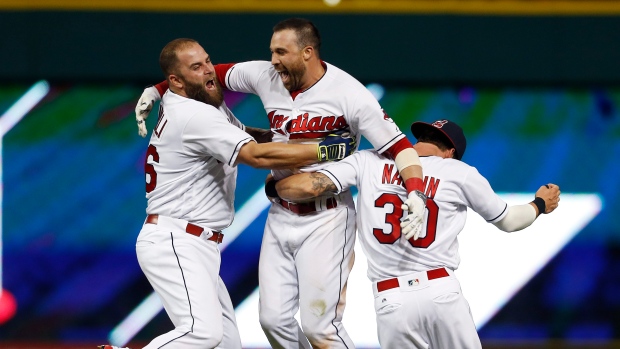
(151,180)
(393,219)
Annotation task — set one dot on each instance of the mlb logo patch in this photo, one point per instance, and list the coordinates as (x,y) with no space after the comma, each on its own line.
(414,282)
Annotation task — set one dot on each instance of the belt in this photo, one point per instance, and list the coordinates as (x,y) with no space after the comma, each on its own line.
(190,229)
(306,207)
(393,283)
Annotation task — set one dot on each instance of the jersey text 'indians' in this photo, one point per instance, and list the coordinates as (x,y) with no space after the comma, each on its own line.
(303,123)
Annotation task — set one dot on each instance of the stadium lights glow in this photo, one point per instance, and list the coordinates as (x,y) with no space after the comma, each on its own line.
(331,3)
(511,258)
(9,119)
(151,306)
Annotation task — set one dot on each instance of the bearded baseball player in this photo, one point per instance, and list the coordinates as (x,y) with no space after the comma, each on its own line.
(190,183)
(307,249)
(418,299)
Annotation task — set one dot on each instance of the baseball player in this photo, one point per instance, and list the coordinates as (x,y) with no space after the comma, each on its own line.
(307,248)
(190,183)
(418,300)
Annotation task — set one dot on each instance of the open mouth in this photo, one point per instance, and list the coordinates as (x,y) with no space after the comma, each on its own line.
(210,85)
(284,75)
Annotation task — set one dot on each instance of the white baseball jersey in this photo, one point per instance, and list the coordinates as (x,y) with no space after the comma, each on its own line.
(306,259)
(450,185)
(190,171)
(335,102)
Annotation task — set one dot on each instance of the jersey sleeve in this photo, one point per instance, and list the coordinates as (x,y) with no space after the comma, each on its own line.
(245,77)
(344,173)
(231,117)
(481,198)
(210,132)
(373,123)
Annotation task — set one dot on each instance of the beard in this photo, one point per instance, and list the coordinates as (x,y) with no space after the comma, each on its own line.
(199,93)
(295,75)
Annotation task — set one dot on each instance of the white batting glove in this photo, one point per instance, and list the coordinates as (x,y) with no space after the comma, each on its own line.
(144,106)
(415,204)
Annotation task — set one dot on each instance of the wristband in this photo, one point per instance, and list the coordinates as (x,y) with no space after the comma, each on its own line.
(540,204)
(270,189)
(413,184)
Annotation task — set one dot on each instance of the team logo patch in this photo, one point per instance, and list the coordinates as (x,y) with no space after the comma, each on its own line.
(439,123)
(414,282)
(386,116)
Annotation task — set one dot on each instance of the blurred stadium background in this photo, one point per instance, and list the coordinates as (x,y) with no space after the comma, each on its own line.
(535,85)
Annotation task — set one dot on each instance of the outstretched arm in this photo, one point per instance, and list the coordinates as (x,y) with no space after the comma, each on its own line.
(334,147)
(522,216)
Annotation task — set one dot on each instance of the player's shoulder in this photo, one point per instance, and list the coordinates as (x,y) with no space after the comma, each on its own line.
(448,169)
(254,67)
(341,77)
(186,108)
(437,161)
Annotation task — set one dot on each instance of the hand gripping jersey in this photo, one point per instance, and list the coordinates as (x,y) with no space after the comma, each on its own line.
(450,185)
(337,101)
(189,165)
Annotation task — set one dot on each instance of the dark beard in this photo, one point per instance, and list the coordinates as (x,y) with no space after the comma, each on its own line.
(295,73)
(198,92)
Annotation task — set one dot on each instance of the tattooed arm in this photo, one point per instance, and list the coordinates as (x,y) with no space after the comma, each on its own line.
(304,186)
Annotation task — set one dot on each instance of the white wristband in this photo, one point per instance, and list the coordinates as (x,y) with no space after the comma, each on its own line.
(407,157)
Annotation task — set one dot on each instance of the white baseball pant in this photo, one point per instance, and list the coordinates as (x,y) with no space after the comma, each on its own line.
(304,265)
(184,271)
(424,310)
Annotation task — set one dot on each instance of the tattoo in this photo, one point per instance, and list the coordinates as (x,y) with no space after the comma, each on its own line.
(259,134)
(321,184)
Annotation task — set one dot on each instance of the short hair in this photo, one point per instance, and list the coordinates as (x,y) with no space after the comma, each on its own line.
(168,58)
(437,138)
(307,33)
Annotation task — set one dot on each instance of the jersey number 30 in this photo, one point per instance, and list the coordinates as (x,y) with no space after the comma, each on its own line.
(393,219)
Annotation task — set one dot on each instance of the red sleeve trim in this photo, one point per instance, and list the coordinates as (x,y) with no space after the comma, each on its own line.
(162,87)
(398,147)
(221,70)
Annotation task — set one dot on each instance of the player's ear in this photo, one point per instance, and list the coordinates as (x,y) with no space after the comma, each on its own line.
(452,153)
(174,80)
(308,52)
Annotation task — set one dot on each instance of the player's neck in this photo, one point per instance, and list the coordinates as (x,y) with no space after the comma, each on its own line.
(315,72)
(177,91)
(427,149)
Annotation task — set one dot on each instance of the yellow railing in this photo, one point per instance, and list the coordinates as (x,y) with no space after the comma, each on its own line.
(464,7)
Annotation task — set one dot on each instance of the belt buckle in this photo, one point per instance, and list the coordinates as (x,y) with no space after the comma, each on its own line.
(220,237)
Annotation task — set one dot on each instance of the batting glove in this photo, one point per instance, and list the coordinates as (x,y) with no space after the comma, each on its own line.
(144,106)
(336,146)
(415,204)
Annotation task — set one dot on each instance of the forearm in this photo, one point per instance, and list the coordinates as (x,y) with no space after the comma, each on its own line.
(259,134)
(304,186)
(277,155)
(414,171)
(518,217)
(408,163)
